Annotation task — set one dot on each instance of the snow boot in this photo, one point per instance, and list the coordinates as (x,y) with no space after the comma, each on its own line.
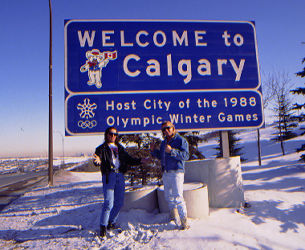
(114,227)
(103,230)
(174,215)
(184,224)
(111,226)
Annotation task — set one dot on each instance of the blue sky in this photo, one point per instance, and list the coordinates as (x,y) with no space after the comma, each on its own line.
(24,50)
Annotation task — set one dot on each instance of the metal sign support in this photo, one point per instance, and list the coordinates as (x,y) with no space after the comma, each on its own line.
(225,144)
(50,104)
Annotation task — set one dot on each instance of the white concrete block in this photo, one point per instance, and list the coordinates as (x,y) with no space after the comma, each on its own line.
(223,177)
(141,198)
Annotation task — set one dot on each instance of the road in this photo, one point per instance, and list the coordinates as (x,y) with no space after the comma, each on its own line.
(14,185)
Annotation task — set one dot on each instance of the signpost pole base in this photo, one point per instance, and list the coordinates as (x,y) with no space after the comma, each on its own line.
(224,136)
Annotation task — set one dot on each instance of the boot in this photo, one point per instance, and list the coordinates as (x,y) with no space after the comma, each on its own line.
(111,226)
(114,227)
(103,230)
(174,215)
(184,224)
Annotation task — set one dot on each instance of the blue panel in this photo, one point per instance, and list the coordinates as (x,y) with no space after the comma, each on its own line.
(166,54)
(138,112)
(133,63)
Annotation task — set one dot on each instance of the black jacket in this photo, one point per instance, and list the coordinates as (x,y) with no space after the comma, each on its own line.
(104,152)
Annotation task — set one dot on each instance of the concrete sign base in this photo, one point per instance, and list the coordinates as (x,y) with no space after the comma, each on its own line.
(223,177)
(143,198)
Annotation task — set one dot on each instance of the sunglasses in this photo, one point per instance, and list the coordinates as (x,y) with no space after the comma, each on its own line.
(113,134)
(166,128)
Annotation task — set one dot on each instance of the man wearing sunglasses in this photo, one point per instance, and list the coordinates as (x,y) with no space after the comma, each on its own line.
(173,152)
(114,161)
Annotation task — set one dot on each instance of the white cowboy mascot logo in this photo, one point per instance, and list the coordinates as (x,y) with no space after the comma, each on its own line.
(96,61)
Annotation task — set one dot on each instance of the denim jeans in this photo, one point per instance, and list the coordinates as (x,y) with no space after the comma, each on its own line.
(173,192)
(113,197)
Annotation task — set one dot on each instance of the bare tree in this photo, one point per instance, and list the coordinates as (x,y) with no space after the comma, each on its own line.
(268,89)
(267,92)
(282,106)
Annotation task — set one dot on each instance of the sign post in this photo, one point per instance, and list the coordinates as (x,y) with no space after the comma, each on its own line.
(50,156)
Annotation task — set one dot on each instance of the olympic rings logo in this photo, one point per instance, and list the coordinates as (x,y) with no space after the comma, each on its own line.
(87,124)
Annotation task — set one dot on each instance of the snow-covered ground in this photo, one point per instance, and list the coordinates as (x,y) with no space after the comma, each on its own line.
(66,216)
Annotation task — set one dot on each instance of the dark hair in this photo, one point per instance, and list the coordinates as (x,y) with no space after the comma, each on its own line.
(107,131)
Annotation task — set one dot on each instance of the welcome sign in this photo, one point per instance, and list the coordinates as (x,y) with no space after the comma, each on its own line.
(136,74)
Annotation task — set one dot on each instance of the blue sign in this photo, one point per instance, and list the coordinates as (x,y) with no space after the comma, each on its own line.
(93,113)
(131,63)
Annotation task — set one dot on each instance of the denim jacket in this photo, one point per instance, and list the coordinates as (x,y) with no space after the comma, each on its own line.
(176,158)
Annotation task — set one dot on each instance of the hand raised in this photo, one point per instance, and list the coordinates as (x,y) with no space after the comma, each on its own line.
(97,159)
(168,148)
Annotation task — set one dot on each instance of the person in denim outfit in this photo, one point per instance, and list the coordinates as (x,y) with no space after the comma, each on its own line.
(173,152)
(114,162)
